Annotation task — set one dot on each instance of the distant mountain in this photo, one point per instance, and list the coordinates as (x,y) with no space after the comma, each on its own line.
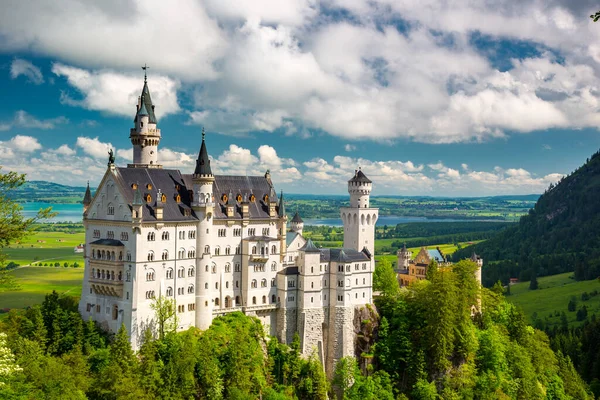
(50,192)
(560,234)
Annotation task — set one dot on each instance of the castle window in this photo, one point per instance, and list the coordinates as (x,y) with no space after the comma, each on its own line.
(254,284)
(340,268)
(96,233)
(181,253)
(206,285)
(217,251)
(128,256)
(253,249)
(251,231)
(191,234)
(224,198)
(181,272)
(266,198)
(165,255)
(347,268)
(216,285)
(312,270)
(163,198)
(363,281)
(192,253)
(124,236)
(169,291)
(265,231)
(273,249)
(216,301)
(237,267)
(273,299)
(239,198)
(227,267)
(364,266)
(110,209)
(274,266)
(148,198)
(227,250)
(264,299)
(150,275)
(191,271)
(253,299)
(150,255)
(291,283)
(180,291)
(237,250)
(150,294)
(263,283)
(356,267)
(170,273)
(222,232)
(252,198)
(150,236)
(110,234)
(190,289)
(312,285)
(214,268)
(227,285)
(237,232)
(311,299)
(237,284)
(149,186)
(134,186)
(273,282)
(206,249)
(165,236)
(177,198)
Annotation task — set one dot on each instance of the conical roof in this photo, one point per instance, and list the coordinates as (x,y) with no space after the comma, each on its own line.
(310,247)
(359,176)
(203,162)
(297,218)
(87,198)
(281,212)
(147,105)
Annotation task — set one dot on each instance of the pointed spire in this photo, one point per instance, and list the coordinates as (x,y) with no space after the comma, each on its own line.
(143,110)
(297,218)
(146,101)
(310,247)
(203,162)
(281,212)
(87,198)
(137,197)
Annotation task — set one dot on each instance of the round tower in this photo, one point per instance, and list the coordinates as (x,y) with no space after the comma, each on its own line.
(145,136)
(359,188)
(297,225)
(359,219)
(404,256)
(202,204)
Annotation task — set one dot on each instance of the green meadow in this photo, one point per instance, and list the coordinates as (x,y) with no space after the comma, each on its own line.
(553,296)
(46,247)
(36,282)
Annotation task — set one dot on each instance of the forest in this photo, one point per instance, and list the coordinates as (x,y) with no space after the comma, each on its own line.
(426,342)
(559,234)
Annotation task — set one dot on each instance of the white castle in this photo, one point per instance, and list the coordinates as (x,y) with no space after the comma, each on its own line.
(217,244)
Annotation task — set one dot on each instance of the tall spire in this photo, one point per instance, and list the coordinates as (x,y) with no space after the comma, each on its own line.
(146,101)
(87,198)
(281,206)
(203,162)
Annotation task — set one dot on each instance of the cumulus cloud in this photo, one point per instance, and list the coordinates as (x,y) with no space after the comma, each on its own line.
(20,67)
(65,150)
(349,147)
(116,93)
(26,120)
(94,147)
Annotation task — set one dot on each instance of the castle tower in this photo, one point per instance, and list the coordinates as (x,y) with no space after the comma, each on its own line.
(404,256)
(87,199)
(479,261)
(297,224)
(358,219)
(202,204)
(145,136)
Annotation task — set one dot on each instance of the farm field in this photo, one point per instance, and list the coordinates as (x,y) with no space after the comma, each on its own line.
(46,247)
(36,282)
(552,297)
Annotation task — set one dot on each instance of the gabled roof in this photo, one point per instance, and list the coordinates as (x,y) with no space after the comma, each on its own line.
(289,237)
(435,255)
(359,176)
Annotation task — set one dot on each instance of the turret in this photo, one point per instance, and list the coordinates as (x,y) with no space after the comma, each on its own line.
(359,220)
(359,188)
(145,136)
(87,198)
(297,225)
(404,256)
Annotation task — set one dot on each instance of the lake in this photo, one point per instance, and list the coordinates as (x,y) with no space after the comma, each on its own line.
(74,213)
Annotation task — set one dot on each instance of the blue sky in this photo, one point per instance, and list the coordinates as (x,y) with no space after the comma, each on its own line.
(488,99)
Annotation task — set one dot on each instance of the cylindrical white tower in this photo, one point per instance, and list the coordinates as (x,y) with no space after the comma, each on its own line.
(297,224)
(404,256)
(145,136)
(202,203)
(359,188)
(359,219)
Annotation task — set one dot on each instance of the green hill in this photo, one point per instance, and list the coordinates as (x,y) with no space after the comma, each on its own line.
(49,192)
(560,233)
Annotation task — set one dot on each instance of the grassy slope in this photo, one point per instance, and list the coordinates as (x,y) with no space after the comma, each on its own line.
(29,250)
(36,282)
(553,295)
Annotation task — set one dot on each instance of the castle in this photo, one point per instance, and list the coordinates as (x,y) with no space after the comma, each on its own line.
(217,244)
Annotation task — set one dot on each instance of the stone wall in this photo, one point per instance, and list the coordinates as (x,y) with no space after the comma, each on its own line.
(286,324)
(310,327)
(340,337)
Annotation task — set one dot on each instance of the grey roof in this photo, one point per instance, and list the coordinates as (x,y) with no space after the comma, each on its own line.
(169,181)
(244,186)
(142,111)
(359,176)
(87,198)
(435,255)
(343,255)
(108,242)
(147,103)
(172,182)
(297,218)
(475,257)
(309,247)
(290,271)
(203,162)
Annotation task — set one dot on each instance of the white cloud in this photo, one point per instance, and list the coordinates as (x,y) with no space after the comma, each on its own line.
(65,150)
(350,147)
(26,144)
(94,147)
(25,120)
(23,67)
(117,93)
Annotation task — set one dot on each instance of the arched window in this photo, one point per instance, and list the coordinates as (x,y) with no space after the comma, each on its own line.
(190,289)
(273,249)
(206,285)
(93,272)
(216,301)
(264,299)
(227,267)
(214,268)
(227,302)
(273,282)
(192,253)
(165,236)
(227,250)
(263,283)
(191,271)
(110,209)
(181,253)
(254,283)
(165,255)
(150,275)
(181,272)
(216,285)
(237,267)
(206,249)
(273,299)
(150,255)
(217,251)
(227,285)
(274,266)
(169,291)
(128,256)
(206,268)
(170,273)
(150,236)
(253,249)
(237,300)
(253,299)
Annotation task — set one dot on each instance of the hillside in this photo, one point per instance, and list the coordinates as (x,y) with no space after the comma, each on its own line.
(559,234)
(42,191)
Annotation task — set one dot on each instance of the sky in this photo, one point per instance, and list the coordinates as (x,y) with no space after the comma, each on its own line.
(428,97)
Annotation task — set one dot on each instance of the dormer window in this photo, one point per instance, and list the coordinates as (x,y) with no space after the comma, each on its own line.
(224,198)
(148,198)
(252,198)
(149,186)
(134,186)
(178,198)
(266,198)
(239,198)
(163,198)
(177,187)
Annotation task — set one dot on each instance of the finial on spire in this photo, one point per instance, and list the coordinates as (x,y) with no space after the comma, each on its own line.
(203,134)
(145,67)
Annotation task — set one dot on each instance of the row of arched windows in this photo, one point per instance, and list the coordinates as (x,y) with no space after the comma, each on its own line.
(106,274)
(181,254)
(264,250)
(108,255)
